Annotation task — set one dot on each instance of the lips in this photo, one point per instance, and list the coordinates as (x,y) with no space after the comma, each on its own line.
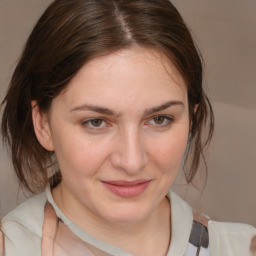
(127,188)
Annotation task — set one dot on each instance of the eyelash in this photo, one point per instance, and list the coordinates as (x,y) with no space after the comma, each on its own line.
(167,122)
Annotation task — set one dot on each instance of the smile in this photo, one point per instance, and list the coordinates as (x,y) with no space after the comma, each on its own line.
(127,188)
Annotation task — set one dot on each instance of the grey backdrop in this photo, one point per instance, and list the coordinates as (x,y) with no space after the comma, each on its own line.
(226,34)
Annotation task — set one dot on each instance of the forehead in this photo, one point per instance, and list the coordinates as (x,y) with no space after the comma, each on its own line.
(136,76)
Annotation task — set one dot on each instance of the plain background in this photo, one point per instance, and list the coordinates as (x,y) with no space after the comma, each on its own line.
(226,34)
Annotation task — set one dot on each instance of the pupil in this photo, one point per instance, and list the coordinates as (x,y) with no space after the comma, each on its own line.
(96,122)
(159,120)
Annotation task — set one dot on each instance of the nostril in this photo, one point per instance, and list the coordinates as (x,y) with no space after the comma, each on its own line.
(253,246)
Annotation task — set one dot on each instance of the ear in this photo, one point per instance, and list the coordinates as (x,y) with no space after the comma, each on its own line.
(195,109)
(41,127)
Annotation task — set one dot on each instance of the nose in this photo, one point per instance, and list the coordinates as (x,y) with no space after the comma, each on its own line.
(129,154)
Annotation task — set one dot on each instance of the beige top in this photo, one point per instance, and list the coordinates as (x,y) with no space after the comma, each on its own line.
(22,229)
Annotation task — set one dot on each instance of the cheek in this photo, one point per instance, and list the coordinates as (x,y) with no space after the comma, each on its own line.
(169,153)
(78,156)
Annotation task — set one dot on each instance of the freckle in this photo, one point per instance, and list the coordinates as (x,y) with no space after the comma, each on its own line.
(253,245)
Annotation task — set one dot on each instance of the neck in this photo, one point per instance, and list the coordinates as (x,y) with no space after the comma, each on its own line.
(144,237)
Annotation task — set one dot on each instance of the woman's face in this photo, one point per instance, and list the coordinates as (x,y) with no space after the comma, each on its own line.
(119,132)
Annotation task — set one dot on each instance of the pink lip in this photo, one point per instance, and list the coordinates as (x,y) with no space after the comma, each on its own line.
(126,188)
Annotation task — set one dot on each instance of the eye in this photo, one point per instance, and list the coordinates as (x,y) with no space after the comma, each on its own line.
(95,123)
(160,121)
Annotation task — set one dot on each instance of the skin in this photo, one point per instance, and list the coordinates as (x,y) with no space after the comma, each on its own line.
(142,135)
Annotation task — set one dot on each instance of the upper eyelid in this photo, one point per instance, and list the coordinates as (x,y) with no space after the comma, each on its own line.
(163,115)
(86,120)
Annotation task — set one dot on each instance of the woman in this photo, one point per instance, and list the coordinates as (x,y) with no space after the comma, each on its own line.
(107,100)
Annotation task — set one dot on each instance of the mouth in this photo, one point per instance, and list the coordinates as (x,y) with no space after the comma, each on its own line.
(127,188)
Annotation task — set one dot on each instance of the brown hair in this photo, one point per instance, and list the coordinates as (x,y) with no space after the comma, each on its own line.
(70,33)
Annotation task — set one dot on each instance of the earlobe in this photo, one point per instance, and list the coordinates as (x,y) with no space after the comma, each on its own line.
(41,127)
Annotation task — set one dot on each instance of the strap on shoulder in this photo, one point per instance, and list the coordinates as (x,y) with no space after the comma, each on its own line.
(201,218)
(199,238)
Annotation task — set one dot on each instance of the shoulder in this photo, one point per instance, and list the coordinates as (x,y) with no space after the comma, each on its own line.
(231,238)
(28,215)
(22,227)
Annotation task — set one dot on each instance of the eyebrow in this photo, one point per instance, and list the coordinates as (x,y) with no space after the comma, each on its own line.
(163,107)
(110,112)
(97,109)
